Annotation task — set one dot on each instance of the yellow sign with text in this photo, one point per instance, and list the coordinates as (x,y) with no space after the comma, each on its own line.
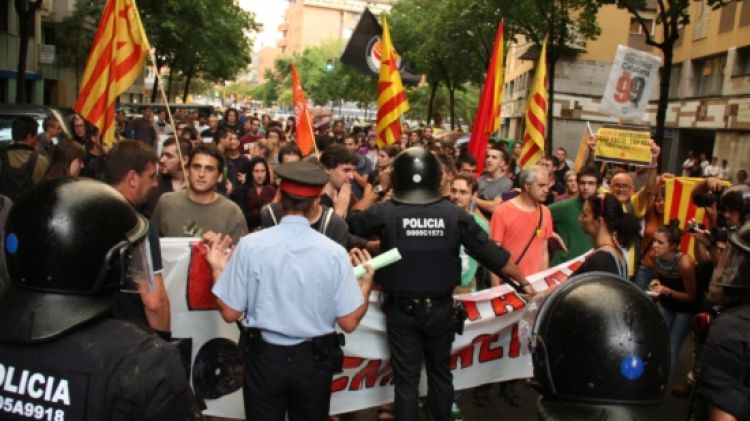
(624,144)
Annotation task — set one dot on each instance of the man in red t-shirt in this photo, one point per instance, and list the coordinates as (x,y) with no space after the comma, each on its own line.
(523,224)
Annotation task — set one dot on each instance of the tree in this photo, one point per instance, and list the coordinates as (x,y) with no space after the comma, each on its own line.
(566,24)
(26,11)
(218,42)
(430,37)
(671,16)
(75,35)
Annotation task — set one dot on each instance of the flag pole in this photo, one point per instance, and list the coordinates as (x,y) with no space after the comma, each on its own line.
(169,115)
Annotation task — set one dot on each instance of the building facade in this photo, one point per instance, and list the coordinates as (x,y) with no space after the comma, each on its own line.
(46,82)
(709,105)
(309,23)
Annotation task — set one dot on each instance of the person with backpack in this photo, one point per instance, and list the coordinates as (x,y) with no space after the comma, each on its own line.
(21,165)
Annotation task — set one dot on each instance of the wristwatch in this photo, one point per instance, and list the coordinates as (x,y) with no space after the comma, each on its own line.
(379,190)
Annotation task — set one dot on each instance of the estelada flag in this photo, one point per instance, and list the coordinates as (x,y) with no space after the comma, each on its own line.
(536,114)
(115,61)
(305,137)
(678,204)
(392,101)
(487,119)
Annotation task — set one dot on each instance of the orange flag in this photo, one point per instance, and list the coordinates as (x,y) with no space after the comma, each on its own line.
(392,101)
(116,59)
(487,119)
(304,134)
(536,114)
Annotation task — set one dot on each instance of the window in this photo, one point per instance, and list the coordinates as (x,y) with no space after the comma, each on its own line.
(4,10)
(702,14)
(726,19)
(745,14)
(637,29)
(674,80)
(742,62)
(48,35)
(708,75)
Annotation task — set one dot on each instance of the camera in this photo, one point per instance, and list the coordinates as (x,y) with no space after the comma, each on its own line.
(695,226)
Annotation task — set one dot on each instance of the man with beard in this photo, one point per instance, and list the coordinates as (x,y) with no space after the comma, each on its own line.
(200,208)
(565,217)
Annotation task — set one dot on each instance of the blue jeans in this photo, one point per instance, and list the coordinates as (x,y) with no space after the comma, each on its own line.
(678,325)
(643,276)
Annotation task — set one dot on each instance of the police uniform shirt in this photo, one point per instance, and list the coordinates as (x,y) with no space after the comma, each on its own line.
(429,239)
(292,282)
(107,370)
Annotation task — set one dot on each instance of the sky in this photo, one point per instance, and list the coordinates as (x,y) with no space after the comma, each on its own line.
(271,14)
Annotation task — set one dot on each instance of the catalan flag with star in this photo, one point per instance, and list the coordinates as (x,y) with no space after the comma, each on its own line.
(392,103)
(115,61)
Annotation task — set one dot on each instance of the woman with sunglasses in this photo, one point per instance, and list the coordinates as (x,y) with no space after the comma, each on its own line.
(612,230)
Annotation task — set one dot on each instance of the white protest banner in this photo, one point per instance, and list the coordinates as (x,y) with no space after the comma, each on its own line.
(630,83)
(489,350)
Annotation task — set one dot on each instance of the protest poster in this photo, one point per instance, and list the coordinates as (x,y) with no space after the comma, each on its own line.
(623,144)
(491,349)
(630,83)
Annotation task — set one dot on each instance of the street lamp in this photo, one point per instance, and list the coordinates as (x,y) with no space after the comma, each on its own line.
(329,65)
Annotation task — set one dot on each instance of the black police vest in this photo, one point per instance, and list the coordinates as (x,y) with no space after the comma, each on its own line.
(428,239)
(110,370)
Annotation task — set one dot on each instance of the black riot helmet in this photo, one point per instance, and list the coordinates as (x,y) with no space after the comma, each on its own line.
(599,346)
(737,198)
(731,277)
(70,244)
(416,177)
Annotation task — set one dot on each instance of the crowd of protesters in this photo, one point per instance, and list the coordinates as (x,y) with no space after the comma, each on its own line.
(217,174)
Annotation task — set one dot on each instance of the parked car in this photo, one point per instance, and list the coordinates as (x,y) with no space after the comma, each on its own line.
(9,112)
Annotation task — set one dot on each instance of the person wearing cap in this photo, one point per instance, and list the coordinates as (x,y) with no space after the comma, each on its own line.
(428,231)
(294,285)
(71,245)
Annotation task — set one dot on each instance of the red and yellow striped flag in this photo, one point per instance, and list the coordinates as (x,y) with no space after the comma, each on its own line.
(536,114)
(678,204)
(392,101)
(116,58)
(304,135)
(487,119)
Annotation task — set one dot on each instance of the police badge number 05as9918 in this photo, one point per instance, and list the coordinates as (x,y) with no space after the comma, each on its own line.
(27,393)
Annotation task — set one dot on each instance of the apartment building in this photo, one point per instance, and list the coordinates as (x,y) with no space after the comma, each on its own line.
(309,23)
(46,82)
(709,105)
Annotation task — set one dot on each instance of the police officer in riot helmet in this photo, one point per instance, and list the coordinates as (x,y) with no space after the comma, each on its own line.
(722,389)
(71,244)
(420,316)
(600,351)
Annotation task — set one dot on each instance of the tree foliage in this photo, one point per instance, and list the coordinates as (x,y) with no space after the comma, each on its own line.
(74,37)
(437,39)
(321,86)
(195,39)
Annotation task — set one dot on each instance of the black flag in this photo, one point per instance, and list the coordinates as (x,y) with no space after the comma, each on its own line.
(363,49)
